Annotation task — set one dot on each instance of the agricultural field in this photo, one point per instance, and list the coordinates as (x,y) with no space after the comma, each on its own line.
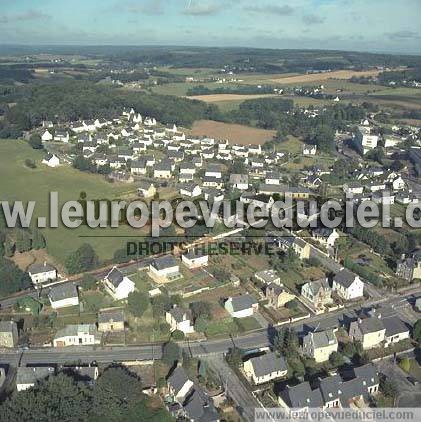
(319,77)
(239,134)
(215,98)
(25,184)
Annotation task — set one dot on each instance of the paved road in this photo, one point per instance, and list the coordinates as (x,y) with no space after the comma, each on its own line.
(234,388)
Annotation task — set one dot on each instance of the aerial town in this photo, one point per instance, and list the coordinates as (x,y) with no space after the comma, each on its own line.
(208,322)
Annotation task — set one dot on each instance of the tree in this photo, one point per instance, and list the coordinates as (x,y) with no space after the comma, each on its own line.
(38,240)
(83,259)
(13,279)
(417,331)
(201,324)
(115,392)
(235,357)
(137,303)
(170,353)
(388,387)
(23,241)
(58,398)
(35,141)
(201,309)
(88,282)
(336,359)
(177,335)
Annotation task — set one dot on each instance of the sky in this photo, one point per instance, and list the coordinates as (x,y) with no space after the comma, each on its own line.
(361,25)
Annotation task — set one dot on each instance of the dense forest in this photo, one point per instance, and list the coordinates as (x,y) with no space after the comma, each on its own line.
(73,100)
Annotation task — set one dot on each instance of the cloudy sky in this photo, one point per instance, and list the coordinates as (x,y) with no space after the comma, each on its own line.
(364,25)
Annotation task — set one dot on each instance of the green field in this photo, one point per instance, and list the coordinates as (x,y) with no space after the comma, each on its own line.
(20,183)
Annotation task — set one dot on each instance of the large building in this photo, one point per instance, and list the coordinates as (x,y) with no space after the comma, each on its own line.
(365,140)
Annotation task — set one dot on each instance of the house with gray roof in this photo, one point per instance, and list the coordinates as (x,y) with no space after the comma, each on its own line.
(265,368)
(111,319)
(42,273)
(241,306)
(27,377)
(369,331)
(333,391)
(63,296)
(165,269)
(300,396)
(320,345)
(179,384)
(180,319)
(77,335)
(318,293)
(348,285)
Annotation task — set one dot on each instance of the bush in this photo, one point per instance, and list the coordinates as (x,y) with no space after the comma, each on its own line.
(30,163)
(178,335)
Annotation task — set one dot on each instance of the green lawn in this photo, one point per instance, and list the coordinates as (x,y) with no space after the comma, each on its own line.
(20,183)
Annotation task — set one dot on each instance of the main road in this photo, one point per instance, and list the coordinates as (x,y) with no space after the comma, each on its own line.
(256,339)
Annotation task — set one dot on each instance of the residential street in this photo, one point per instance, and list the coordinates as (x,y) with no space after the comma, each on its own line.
(234,388)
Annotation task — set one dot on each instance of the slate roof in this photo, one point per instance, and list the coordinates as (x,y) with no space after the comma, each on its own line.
(344,278)
(114,315)
(178,314)
(322,338)
(177,379)
(199,407)
(40,268)
(115,277)
(164,262)
(301,396)
(371,325)
(394,326)
(267,364)
(63,291)
(30,375)
(239,303)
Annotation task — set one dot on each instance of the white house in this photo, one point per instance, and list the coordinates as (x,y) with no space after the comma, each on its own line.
(63,295)
(325,236)
(265,368)
(239,181)
(51,160)
(77,335)
(179,384)
(164,269)
(191,190)
(180,319)
(309,149)
(118,285)
(195,259)
(241,306)
(348,285)
(42,273)
(47,136)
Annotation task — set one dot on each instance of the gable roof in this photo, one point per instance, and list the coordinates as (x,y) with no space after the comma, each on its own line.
(239,303)
(178,379)
(345,278)
(164,262)
(267,364)
(115,277)
(62,291)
